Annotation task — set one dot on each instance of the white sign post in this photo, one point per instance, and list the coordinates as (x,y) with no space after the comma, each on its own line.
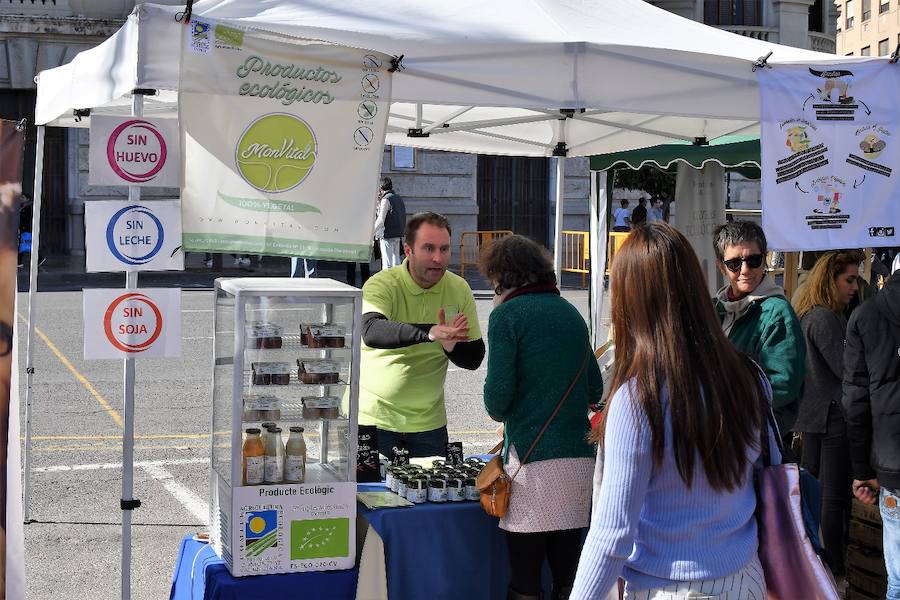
(283,144)
(133,236)
(132,323)
(134,151)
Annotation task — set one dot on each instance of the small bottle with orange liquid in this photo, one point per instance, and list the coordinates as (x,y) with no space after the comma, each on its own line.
(254,454)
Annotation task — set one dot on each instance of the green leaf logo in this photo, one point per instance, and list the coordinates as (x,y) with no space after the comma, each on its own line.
(320,538)
(276,152)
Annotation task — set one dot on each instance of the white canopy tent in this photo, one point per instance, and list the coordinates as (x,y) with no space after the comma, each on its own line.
(514,77)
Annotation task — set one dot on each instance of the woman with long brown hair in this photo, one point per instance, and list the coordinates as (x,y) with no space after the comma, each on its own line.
(820,304)
(674,511)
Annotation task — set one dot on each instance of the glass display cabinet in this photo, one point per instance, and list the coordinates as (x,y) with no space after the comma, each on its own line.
(284,424)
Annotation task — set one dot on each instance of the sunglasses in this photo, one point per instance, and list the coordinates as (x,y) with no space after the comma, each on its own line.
(754,261)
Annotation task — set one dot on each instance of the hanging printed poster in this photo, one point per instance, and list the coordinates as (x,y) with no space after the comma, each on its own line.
(282,143)
(830,138)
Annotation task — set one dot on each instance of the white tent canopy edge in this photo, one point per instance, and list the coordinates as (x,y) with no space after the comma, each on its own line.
(481,77)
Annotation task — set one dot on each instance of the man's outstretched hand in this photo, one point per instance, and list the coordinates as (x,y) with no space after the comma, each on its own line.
(449,334)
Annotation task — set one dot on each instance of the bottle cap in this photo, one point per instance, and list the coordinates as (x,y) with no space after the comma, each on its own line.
(253,430)
(296,430)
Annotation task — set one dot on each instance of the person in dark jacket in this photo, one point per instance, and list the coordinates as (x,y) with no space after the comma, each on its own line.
(639,214)
(871,400)
(390,222)
(820,304)
(757,318)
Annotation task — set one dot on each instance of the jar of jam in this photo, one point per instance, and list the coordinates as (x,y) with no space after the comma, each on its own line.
(437,490)
(417,491)
(472,492)
(456,489)
(389,475)
(395,480)
(402,485)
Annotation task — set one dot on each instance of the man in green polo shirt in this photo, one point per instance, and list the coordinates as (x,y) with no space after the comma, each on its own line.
(417,317)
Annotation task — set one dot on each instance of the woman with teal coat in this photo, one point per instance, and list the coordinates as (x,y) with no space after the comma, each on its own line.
(537,345)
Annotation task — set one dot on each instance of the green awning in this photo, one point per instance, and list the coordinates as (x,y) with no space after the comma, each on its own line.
(730,151)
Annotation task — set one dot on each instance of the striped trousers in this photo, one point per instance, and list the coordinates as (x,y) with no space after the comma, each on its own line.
(747,584)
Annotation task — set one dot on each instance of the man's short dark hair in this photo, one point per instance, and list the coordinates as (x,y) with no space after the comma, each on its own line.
(386,184)
(623,202)
(432,218)
(738,232)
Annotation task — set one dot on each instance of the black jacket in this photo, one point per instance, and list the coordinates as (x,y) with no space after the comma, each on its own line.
(395,222)
(871,387)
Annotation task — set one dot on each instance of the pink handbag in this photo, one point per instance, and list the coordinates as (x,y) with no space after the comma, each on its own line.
(791,566)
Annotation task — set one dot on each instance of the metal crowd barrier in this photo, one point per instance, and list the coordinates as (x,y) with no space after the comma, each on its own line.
(576,253)
(471,243)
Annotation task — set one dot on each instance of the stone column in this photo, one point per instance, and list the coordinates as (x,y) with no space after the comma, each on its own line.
(793,22)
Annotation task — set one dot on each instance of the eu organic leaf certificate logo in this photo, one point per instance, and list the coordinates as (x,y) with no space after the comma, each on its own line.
(276,152)
(320,538)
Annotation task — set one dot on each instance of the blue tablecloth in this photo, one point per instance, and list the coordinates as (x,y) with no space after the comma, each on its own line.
(201,575)
(442,551)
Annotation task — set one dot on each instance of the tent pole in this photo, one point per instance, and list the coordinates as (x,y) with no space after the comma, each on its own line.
(127,502)
(32,310)
(560,199)
(598,227)
(557,238)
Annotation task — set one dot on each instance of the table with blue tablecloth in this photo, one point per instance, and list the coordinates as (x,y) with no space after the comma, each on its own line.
(201,575)
(432,552)
(428,551)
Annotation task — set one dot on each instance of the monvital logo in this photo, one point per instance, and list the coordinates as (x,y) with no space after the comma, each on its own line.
(320,538)
(276,152)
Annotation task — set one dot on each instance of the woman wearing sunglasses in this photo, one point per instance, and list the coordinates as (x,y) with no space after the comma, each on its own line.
(756,316)
(820,304)
(674,507)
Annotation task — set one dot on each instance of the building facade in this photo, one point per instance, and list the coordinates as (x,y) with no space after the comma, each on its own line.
(475,192)
(868,27)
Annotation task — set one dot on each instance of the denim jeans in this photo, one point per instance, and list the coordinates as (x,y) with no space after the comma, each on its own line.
(889,503)
(425,443)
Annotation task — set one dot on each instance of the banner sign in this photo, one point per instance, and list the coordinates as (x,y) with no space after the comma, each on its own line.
(133,236)
(282,144)
(136,323)
(134,151)
(700,209)
(12,540)
(830,140)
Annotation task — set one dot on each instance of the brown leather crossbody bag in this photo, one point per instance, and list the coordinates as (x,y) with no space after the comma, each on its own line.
(493,482)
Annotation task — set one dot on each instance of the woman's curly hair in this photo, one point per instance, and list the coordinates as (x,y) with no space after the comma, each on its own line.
(514,261)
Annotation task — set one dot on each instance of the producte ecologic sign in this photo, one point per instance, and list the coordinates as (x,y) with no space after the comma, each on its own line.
(282,144)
